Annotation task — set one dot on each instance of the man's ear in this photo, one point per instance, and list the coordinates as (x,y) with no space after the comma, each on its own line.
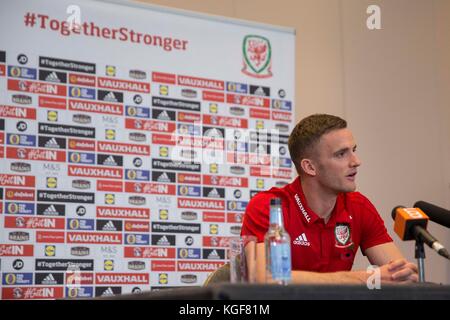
(308,167)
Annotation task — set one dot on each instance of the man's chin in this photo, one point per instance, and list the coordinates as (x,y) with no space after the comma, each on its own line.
(349,188)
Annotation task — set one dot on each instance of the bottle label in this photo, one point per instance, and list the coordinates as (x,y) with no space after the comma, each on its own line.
(280,260)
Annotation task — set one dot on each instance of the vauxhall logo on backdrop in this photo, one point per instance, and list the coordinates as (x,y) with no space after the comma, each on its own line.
(257,56)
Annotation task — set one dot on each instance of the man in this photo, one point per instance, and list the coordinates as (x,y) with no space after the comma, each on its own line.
(326,220)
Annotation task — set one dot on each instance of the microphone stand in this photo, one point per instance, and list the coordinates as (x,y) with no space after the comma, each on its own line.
(420,256)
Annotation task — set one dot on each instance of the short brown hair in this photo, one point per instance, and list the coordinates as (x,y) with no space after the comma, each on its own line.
(308,132)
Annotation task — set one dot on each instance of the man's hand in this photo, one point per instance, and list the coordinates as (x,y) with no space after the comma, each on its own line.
(399,271)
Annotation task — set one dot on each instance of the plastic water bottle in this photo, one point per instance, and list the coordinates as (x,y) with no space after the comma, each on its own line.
(278,247)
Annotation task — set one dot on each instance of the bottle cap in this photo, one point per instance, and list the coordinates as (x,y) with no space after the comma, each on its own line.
(275,201)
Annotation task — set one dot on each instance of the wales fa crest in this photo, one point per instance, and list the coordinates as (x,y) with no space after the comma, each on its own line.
(257,57)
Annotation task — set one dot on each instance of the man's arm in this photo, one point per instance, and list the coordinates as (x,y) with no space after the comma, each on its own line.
(307,277)
(394,269)
(385,253)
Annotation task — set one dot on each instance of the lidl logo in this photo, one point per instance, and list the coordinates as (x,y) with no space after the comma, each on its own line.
(50,251)
(163,278)
(110,198)
(213,108)
(52,182)
(213,229)
(110,134)
(163,90)
(52,115)
(213,168)
(163,151)
(259,124)
(260,183)
(163,214)
(110,71)
(108,265)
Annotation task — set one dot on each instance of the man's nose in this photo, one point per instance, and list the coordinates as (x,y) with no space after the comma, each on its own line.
(356,162)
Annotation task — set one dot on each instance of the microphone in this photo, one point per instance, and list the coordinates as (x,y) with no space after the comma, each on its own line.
(411,223)
(436,214)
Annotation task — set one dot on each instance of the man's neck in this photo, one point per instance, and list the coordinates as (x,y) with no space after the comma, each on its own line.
(321,201)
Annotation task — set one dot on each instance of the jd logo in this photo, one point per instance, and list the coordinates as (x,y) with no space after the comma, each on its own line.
(257,57)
